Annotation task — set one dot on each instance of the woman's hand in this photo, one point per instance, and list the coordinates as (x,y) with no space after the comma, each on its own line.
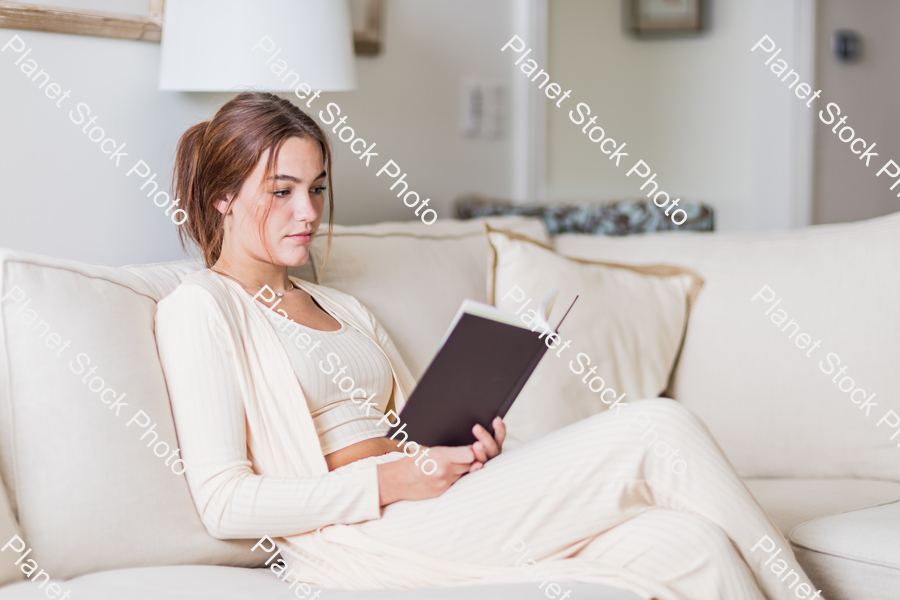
(488,446)
(404,480)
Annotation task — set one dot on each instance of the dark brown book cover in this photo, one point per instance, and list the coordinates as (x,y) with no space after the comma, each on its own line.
(476,376)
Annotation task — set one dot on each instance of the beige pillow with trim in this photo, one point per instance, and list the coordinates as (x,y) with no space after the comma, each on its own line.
(619,343)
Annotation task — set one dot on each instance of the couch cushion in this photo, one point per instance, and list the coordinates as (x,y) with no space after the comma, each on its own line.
(854,554)
(88,492)
(773,410)
(626,327)
(9,528)
(413,276)
(224,583)
(790,502)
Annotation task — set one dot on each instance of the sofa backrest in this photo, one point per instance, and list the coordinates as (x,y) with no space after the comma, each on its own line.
(775,408)
(88,492)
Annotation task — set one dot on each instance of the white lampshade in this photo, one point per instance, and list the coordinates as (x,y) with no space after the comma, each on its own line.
(207,45)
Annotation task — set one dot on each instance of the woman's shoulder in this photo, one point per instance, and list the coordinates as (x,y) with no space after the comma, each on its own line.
(199,292)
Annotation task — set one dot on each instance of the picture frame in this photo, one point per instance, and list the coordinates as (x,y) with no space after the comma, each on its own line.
(665,17)
(366,15)
(53,19)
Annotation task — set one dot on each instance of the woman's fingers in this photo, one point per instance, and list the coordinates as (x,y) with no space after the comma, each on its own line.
(499,431)
(480,452)
(462,462)
(487,440)
(461,455)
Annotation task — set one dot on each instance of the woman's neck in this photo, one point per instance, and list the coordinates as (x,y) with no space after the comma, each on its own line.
(254,273)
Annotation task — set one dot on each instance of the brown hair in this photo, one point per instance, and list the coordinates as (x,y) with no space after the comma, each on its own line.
(215,157)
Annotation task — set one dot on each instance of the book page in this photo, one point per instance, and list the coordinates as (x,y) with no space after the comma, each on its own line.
(487,311)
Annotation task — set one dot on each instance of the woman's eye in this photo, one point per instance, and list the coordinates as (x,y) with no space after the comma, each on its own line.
(319,189)
(282,193)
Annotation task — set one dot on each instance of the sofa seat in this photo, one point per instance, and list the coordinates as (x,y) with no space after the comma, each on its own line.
(854,554)
(844,532)
(234,583)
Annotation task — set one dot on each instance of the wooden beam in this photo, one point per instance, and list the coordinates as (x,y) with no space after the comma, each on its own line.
(14,15)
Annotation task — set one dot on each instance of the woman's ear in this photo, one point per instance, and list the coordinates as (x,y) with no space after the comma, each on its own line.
(222,205)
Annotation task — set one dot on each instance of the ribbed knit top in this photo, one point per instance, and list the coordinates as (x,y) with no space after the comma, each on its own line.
(332,367)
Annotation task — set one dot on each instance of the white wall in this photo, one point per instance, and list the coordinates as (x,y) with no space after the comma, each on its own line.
(408,101)
(703,112)
(62,197)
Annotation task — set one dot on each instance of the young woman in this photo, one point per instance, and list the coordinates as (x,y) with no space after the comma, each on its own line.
(276,447)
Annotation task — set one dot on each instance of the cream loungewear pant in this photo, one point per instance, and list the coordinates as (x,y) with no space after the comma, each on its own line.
(594,490)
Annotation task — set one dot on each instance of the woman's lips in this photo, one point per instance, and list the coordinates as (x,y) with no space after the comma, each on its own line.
(301,237)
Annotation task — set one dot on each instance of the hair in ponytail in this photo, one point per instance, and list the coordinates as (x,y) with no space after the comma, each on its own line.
(215,157)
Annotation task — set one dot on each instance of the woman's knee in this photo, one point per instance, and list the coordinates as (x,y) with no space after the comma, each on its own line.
(663,411)
(658,423)
(667,427)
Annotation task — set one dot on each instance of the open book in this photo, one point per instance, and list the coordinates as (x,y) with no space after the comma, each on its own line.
(485,359)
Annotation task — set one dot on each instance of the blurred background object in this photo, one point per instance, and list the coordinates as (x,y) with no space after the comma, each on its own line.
(846,45)
(665,17)
(617,217)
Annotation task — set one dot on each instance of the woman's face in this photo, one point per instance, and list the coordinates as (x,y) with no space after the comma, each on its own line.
(296,190)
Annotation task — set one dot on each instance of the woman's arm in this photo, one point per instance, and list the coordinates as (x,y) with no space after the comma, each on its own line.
(208,406)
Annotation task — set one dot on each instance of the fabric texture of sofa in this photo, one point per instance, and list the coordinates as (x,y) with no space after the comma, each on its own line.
(101,510)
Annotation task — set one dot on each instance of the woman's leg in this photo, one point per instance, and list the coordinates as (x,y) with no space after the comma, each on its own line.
(557,493)
(711,489)
(684,552)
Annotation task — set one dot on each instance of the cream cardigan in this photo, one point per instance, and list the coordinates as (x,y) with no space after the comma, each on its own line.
(254,463)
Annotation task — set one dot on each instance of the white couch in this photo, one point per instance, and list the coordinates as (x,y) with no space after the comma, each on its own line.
(102,511)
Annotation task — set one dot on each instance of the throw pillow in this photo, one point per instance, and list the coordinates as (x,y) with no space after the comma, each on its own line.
(620,342)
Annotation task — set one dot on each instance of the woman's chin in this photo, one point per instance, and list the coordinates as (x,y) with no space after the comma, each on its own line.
(294,259)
